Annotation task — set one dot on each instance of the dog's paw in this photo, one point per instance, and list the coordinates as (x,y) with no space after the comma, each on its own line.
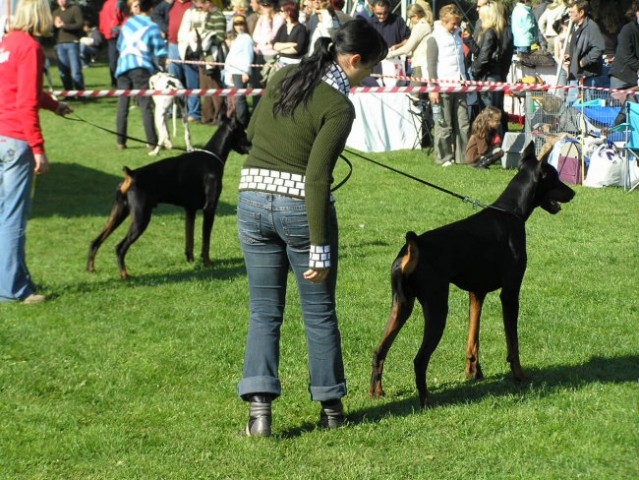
(473,372)
(376,390)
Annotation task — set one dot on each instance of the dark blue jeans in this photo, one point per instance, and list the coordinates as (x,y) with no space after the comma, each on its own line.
(273,231)
(189,76)
(241,104)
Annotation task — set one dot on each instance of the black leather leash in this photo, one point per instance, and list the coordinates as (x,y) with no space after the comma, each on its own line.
(113,132)
(474,203)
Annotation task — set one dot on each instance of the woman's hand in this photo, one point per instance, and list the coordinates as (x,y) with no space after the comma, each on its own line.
(63,109)
(316,275)
(41,163)
(434,97)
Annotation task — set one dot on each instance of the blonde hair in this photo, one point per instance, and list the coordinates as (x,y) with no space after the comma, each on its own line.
(33,17)
(449,12)
(420,11)
(481,126)
(491,17)
(240,4)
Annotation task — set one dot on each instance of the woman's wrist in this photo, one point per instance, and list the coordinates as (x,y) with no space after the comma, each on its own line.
(319,256)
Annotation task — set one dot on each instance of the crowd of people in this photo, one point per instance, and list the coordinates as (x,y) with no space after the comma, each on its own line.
(245,48)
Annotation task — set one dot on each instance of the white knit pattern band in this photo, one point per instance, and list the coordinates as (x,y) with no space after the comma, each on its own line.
(272,181)
(320,256)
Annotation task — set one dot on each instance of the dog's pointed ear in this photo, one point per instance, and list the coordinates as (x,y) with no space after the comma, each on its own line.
(528,153)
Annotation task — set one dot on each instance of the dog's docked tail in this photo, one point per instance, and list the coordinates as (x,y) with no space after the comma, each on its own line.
(127,182)
(404,265)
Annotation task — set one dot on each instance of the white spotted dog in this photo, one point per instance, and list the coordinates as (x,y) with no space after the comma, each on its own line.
(163,104)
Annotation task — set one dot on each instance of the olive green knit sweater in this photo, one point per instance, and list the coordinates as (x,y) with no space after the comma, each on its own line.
(308,143)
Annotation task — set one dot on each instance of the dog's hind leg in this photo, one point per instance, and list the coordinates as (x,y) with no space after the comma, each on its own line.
(401,310)
(435,307)
(189,233)
(141,216)
(510,307)
(118,213)
(473,369)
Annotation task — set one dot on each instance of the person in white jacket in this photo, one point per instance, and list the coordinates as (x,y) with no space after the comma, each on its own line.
(190,46)
(553,13)
(421,26)
(445,56)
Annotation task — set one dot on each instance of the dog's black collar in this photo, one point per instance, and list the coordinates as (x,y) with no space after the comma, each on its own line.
(217,157)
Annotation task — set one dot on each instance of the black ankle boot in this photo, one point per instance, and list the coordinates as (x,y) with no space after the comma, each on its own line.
(491,157)
(259,423)
(332,414)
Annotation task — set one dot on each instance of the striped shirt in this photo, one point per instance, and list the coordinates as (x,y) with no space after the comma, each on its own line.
(139,43)
(216,22)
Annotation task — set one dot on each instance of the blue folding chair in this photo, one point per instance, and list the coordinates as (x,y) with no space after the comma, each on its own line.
(630,128)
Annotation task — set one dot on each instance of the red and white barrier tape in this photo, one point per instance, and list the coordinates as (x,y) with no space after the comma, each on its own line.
(200,92)
(238,92)
(503,86)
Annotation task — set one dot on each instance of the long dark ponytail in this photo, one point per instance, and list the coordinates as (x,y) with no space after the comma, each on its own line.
(354,37)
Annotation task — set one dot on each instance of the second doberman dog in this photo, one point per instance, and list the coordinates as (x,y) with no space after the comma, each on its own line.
(479,254)
(192,180)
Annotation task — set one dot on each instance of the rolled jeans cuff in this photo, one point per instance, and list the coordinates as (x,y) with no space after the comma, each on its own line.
(322,394)
(255,385)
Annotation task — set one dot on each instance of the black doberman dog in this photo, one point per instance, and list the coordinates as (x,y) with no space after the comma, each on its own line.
(192,180)
(479,254)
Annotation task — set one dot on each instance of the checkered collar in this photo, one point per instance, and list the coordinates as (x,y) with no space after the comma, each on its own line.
(337,79)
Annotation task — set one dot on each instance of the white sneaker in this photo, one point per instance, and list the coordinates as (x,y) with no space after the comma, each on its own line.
(447,164)
(33,299)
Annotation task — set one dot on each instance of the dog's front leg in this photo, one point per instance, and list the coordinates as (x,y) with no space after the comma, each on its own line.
(212,191)
(160,124)
(473,369)
(189,233)
(510,307)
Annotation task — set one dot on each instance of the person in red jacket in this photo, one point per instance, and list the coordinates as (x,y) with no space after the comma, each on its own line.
(110,22)
(21,143)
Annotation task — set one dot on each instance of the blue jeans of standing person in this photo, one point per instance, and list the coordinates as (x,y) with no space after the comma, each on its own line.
(190,78)
(70,66)
(273,231)
(241,105)
(16,177)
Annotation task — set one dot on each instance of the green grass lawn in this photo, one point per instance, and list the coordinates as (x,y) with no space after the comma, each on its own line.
(137,379)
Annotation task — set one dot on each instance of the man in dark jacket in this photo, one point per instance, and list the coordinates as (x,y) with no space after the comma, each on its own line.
(586,46)
(161,16)
(625,68)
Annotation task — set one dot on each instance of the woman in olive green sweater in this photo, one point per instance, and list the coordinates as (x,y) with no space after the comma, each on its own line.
(287,220)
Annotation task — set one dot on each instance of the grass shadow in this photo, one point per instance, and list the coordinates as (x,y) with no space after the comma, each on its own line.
(221,270)
(545,381)
(73,190)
